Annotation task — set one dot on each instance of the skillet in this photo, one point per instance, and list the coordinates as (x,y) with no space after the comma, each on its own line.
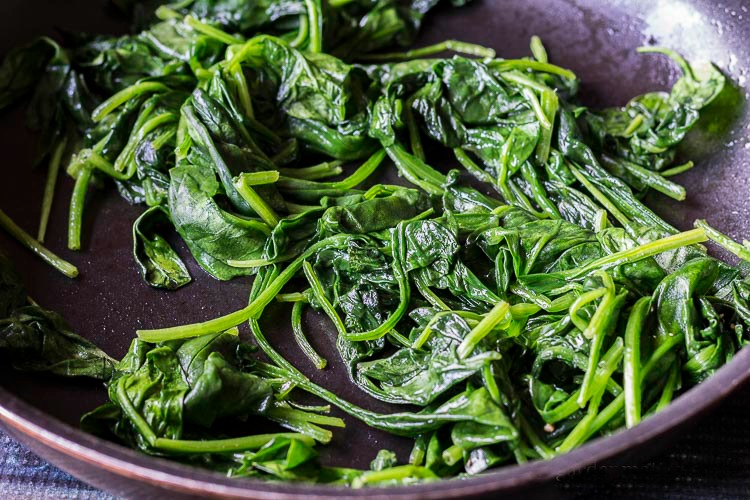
(109,301)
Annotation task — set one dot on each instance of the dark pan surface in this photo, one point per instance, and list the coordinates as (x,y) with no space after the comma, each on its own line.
(109,301)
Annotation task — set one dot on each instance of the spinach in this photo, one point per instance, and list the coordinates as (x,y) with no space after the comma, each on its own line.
(158,263)
(213,235)
(33,339)
(521,310)
(22,68)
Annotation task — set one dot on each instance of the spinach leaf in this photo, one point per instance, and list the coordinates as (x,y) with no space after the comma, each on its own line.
(158,263)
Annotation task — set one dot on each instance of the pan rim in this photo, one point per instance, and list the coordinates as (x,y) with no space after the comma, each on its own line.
(32,423)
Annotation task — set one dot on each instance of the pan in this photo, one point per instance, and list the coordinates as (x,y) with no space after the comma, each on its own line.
(109,302)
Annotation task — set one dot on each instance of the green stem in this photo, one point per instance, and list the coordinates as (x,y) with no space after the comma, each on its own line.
(541,113)
(549,104)
(634,125)
(321,171)
(243,185)
(678,169)
(35,246)
(724,241)
(540,446)
(428,294)
(416,171)
(595,331)
(526,64)
(466,48)
(600,197)
(302,33)
(299,335)
(411,124)
(126,156)
(320,296)
(581,301)
(298,422)
(130,411)
(251,310)
(465,160)
(49,189)
(538,50)
(681,62)
(292,297)
(260,178)
(523,81)
(314,13)
(243,91)
(499,313)
(652,179)
(641,252)
(393,474)
(453,455)
(613,408)
(632,362)
(249,264)
(234,445)
(212,32)
(77,202)
(355,179)
(123,96)
(579,433)
(670,386)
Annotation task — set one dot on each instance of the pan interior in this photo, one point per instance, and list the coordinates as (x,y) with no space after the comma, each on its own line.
(595,39)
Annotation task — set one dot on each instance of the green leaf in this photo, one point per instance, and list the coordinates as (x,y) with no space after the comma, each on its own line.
(158,263)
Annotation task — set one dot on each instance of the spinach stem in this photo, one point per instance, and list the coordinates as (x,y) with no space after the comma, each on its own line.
(498,314)
(49,188)
(212,32)
(595,331)
(549,104)
(315,15)
(321,171)
(320,296)
(77,202)
(299,335)
(600,197)
(724,241)
(360,175)
(478,172)
(35,246)
(144,429)
(416,171)
(232,445)
(678,169)
(302,33)
(261,178)
(538,50)
(616,405)
(632,362)
(392,474)
(641,252)
(124,96)
(652,179)
(414,139)
(251,310)
(541,113)
(126,156)
(460,47)
(505,65)
(243,184)
(242,90)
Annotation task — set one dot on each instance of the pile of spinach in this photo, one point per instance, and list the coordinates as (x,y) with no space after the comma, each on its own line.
(516,325)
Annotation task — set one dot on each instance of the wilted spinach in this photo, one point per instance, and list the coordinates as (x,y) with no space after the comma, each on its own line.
(517,325)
